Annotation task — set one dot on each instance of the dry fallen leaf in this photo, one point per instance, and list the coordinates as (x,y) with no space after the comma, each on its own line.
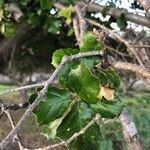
(106,93)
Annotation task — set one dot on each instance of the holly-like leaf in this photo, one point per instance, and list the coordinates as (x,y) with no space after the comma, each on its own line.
(58,55)
(67,13)
(53,105)
(108,109)
(84,83)
(78,117)
(90,43)
(109,77)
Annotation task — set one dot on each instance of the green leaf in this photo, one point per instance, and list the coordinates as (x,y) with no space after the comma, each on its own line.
(9,29)
(90,62)
(106,144)
(63,75)
(90,43)
(67,13)
(70,32)
(45,4)
(1,3)
(77,118)
(2,26)
(53,105)
(108,109)
(121,21)
(84,83)
(106,9)
(51,25)
(33,19)
(110,77)
(24,2)
(58,55)
(1,14)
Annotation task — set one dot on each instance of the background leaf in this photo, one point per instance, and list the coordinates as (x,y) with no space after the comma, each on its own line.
(121,22)
(51,25)
(1,14)
(45,4)
(67,13)
(90,43)
(9,29)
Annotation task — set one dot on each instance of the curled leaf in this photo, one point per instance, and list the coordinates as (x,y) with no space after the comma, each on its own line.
(107,93)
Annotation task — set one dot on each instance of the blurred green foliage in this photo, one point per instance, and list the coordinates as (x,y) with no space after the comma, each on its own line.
(138,104)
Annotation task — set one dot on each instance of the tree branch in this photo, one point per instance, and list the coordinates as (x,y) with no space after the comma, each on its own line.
(116,12)
(82,22)
(129,47)
(66,59)
(74,136)
(42,93)
(129,67)
(17,138)
(145,4)
(12,107)
(15,10)
(26,87)
(129,131)
(76,29)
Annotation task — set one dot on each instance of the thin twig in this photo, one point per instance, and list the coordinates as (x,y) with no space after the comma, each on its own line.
(74,136)
(116,64)
(129,67)
(22,88)
(116,12)
(17,138)
(82,22)
(145,4)
(141,46)
(59,6)
(129,131)
(66,59)
(42,93)
(129,47)
(76,29)
(116,51)
(12,107)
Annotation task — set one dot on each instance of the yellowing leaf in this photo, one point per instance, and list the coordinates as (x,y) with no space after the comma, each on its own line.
(1,14)
(106,93)
(2,28)
(67,13)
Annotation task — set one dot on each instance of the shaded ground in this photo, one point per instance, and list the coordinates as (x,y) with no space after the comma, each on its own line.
(138,104)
